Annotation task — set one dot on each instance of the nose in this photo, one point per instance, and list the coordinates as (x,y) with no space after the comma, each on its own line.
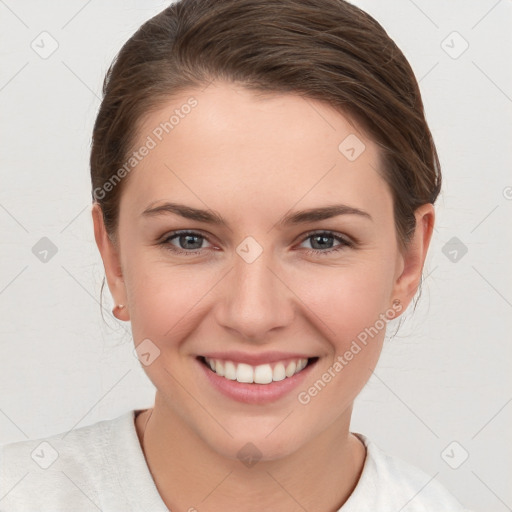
(254,301)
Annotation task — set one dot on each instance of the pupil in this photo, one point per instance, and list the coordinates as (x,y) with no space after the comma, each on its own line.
(187,238)
(322,237)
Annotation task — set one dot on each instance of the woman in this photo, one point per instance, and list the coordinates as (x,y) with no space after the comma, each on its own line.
(263,185)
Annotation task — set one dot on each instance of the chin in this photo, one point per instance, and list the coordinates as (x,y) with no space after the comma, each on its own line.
(255,440)
(250,450)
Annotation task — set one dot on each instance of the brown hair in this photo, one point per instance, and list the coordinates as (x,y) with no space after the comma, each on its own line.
(327,50)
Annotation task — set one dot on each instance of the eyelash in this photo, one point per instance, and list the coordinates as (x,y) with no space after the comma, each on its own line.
(344,243)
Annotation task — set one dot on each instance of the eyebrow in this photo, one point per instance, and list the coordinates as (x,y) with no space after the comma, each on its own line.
(295,218)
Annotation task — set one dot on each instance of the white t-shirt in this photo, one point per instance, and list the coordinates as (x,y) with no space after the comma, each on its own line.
(102,467)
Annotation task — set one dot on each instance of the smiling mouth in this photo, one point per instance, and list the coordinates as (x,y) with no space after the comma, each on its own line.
(260,374)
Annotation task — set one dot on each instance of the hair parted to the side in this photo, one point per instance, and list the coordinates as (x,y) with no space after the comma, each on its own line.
(327,50)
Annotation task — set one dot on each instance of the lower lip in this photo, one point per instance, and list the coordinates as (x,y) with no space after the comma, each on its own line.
(255,393)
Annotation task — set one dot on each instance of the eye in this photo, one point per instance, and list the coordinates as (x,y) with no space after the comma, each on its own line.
(187,242)
(323,242)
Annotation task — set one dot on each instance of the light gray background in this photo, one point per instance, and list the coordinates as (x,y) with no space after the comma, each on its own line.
(443,378)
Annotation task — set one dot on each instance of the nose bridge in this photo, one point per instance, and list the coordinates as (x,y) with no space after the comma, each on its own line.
(254,301)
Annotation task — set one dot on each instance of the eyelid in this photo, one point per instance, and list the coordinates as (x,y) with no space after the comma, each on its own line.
(175,232)
(349,240)
(166,239)
(345,242)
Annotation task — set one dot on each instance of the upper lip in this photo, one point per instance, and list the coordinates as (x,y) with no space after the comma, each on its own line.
(255,359)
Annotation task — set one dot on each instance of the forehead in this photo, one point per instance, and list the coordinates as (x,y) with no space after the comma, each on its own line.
(229,143)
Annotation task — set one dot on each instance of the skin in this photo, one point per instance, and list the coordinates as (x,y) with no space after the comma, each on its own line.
(253,159)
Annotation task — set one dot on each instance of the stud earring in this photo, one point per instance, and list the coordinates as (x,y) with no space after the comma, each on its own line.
(117,306)
(397,302)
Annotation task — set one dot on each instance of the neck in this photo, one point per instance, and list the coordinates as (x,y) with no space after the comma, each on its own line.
(189,475)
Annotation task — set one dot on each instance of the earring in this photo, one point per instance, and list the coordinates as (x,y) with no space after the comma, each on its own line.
(117,306)
(396,302)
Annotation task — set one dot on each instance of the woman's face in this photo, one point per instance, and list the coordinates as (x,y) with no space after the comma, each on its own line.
(257,282)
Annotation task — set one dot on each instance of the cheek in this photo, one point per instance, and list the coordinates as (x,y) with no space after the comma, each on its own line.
(166,299)
(350,307)
(345,300)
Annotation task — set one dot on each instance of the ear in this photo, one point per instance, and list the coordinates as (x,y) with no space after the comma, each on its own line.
(111,261)
(413,258)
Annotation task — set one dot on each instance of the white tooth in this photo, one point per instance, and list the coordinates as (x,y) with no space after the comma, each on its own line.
(211,362)
(263,374)
(302,364)
(229,370)
(219,368)
(244,373)
(279,372)
(290,369)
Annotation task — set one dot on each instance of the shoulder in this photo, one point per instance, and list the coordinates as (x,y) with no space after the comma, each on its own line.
(390,483)
(67,469)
